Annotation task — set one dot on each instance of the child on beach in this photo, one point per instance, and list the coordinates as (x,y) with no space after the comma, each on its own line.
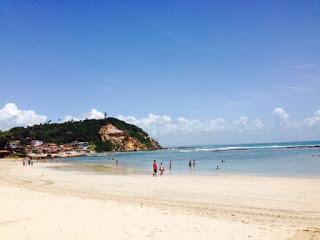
(161,169)
(155,168)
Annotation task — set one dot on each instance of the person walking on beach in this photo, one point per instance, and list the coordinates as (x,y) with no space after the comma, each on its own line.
(155,168)
(161,169)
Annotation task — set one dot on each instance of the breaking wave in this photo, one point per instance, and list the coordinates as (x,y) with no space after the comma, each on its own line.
(240,148)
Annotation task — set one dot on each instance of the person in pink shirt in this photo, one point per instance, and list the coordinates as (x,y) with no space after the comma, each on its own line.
(155,168)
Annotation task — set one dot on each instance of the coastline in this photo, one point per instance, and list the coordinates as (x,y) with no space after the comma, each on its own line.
(112,169)
(46,204)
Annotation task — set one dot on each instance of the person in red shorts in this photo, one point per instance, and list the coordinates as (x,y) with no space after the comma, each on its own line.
(155,168)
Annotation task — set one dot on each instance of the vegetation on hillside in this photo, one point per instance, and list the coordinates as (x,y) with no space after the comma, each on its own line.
(84,131)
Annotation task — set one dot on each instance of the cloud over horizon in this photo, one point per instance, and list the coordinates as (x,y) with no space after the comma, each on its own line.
(12,116)
(166,126)
(313,121)
(93,114)
(281,116)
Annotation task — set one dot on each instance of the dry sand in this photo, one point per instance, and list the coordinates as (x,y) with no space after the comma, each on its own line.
(43,203)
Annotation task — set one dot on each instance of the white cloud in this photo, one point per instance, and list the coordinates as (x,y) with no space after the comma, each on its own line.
(71,118)
(12,116)
(164,125)
(313,121)
(154,124)
(281,116)
(93,114)
(243,124)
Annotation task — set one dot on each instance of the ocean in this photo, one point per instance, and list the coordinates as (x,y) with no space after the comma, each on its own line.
(268,159)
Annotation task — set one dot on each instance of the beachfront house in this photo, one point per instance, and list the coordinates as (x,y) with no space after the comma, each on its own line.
(14,144)
(80,146)
(36,143)
(52,148)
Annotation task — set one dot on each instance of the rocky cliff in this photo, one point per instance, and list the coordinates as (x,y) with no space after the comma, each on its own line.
(122,141)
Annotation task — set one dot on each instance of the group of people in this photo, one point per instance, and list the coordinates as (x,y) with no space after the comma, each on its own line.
(161,168)
(26,163)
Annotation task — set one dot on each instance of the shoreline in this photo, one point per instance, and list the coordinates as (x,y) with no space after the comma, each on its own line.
(111,169)
(106,168)
(220,206)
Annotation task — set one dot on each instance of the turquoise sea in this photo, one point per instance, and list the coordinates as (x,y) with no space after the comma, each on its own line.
(276,159)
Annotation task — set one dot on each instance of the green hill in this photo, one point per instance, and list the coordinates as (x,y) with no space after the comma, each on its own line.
(83,131)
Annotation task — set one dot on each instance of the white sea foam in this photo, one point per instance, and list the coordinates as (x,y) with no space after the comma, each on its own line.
(234,148)
(186,150)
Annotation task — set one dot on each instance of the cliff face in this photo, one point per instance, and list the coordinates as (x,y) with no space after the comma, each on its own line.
(122,141)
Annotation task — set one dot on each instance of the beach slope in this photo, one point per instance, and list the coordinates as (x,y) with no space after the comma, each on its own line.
(41,202)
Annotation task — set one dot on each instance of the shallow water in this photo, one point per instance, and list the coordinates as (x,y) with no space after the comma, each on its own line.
(275,159)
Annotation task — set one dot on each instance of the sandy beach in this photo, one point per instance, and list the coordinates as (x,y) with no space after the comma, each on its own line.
(41,202)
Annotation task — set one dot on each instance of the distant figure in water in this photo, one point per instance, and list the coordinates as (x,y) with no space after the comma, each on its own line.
(194,163)
(222,161)
(161,169)
(170,165)
(217,167)
(190,164)
(155,168)
(117,162)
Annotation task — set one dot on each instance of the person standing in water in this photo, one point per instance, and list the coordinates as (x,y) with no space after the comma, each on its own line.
(170,165)
(194,163)
(161,169)
(155,168)
(190,164)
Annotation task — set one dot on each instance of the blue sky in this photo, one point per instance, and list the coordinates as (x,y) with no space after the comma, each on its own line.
(200,60)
